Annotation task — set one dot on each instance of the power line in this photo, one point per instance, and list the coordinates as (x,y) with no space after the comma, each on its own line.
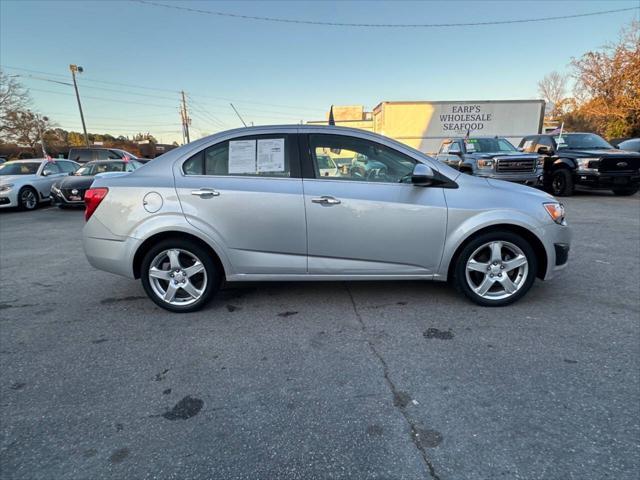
(177,92)
(113,100)
(380,25)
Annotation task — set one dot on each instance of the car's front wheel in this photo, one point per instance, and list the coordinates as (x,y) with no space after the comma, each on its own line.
(179,275)
(496,268)
(28,199)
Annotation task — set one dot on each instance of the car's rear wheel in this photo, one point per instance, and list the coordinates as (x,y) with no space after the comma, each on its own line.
(496,268)
(179,275)
(562,183)
(626,191)
(28,198)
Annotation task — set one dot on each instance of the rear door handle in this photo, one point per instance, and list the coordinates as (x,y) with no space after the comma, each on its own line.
(326,200)
(205,193)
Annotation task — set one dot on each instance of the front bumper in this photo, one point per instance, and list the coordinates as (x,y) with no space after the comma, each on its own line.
(607,180)
(9,199)
(528,178)
(557,242)
(58,198)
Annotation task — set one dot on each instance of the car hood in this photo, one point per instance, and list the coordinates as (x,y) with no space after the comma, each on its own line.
(518,188)
(75,181)
(4,179)
(506,156)
(609,153)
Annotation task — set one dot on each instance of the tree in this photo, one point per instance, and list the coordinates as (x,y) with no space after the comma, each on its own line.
(607,90)
(13,98)
(24,127)
(553,89)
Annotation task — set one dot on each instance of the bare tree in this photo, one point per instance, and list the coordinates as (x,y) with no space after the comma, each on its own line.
(13,96)
(553,89)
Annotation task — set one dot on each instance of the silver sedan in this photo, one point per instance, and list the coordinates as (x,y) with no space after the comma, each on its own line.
(255,204)
(26,183)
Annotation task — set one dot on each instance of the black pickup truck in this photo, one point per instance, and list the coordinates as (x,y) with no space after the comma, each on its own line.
(584,159)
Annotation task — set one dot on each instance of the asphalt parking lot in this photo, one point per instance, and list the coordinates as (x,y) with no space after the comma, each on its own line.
(320,380)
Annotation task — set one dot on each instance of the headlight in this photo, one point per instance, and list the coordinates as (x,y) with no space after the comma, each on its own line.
(555,211)
(485,163)
(588,164)
(6,187)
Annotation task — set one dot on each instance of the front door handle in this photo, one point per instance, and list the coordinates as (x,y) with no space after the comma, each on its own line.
(326,200)
(205,193)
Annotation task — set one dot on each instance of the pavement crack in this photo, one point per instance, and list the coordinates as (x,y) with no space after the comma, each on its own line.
(396,394)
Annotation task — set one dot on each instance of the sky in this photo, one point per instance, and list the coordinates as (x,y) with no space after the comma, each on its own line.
(138,57)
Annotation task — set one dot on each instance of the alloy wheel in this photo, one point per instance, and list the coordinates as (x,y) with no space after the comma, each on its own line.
(28,199)
(177,277)
(497,270)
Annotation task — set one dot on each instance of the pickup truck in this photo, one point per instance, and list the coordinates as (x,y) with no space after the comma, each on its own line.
(492,157)
(584,159)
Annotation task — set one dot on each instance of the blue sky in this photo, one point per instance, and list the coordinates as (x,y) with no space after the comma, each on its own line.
(283,73)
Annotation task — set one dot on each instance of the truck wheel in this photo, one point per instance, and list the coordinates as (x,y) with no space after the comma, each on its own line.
(562,183)
(626,191)
(496,268)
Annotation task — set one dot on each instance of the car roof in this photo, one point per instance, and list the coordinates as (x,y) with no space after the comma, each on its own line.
(29,160)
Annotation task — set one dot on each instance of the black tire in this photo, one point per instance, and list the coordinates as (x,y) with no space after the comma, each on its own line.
(213,274)
(626,191)
(459,269)
(24,198)
(561,184)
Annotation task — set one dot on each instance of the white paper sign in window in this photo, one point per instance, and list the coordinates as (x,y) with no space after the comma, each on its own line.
(242,156)
(271,155)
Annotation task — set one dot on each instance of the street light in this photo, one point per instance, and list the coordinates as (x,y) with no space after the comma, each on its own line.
(78,69)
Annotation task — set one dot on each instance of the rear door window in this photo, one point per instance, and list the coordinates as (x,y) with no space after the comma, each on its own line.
(254,156)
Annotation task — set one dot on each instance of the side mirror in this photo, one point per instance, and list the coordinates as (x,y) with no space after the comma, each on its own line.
(455,152)
(520,149)
(45,173)
(422,175)
(544,150)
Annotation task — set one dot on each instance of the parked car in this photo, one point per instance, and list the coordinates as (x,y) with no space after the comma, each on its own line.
(89,154)
(630,145)
(26,183)
(490,157)
(69,191)
(251,205)
(584,159)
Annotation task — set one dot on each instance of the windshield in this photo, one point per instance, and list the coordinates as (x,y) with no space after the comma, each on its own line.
(27,168)
(100,167)
(585,141)
(489,145)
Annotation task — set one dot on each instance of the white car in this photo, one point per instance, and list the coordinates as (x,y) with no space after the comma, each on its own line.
(26,183)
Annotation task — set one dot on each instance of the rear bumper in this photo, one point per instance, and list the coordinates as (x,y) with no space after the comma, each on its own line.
(106,251)
(607,180)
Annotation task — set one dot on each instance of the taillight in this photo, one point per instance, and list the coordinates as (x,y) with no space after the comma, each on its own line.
(92,199)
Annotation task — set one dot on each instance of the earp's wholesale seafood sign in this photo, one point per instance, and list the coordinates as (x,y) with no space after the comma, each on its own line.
(465,118)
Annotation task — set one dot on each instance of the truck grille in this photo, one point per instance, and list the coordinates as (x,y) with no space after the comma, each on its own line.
(524,165)
(619,164)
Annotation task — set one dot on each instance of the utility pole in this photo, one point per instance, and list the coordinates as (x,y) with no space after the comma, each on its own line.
(78,69)
(234,109)
(184,115)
